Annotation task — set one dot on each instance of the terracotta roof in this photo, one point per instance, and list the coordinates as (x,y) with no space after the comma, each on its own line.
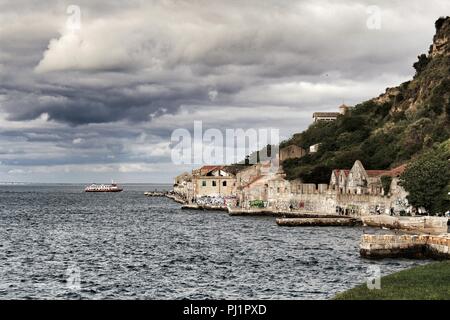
(206,169)
(234,169)
(398,170)
(395,172)
(346,171)
(392,173)
(377,173)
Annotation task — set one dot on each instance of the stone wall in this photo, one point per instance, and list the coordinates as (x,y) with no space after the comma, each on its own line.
(212,186)
(409,246)
(320,201)
(432,225)
(291,152)
(292,195)
(184,190)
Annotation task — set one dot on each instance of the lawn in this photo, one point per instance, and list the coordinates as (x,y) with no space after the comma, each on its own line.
(428,282)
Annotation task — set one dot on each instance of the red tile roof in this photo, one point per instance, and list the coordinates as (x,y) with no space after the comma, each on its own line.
(392,173)
(395,172)
(378,173)
(205,169)
(337,171)
(398,170)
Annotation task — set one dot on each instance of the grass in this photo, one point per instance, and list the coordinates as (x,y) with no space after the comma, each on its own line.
(427,282)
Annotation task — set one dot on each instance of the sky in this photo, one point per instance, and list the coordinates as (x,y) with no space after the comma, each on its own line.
(93,90)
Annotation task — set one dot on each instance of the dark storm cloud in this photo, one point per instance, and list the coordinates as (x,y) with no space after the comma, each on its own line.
(250,44)
(220,45)
(94,105)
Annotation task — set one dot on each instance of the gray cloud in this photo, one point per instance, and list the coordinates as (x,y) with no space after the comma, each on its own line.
(113,91)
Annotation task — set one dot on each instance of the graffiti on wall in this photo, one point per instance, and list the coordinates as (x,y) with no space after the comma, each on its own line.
(216,201)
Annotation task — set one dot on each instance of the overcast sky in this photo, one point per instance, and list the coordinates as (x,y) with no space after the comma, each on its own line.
(100,102)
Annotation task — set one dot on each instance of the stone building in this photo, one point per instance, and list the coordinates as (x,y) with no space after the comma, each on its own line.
(314,148)
(291,152)
(331,116)
(185,176)
(325,116)
(343,109)
(214,181)
(184,187)
(355,191)
(338,180)
(358,180)
(251,183)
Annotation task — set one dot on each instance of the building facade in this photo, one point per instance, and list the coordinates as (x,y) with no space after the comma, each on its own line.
(214,181)
(291,152)
(354,191)
(331,116)
(358,180)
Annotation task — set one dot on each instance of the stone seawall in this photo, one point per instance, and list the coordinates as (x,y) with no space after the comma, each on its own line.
(330,202)
(430,225)
(175,198)
(320,222)
(406,246)
(203,207)
(236,211)
(251,212)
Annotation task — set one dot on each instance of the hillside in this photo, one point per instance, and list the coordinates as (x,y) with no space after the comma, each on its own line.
(388,130)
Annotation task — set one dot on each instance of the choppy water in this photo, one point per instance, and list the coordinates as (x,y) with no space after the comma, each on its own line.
(57,242)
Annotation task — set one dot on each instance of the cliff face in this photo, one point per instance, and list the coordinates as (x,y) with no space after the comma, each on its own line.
(388,130)
(441,44)
(430,87)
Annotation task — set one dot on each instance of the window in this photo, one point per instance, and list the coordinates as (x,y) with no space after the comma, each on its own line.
(214,183)
(203,183)
(224,183)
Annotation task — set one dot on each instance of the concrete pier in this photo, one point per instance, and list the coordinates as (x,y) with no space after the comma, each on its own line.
(405,246)
(203,207)
(156,193)
(166,194)
(175,198)
(190,207)
(279,213)
(320,222)
(425,224)
(250,212)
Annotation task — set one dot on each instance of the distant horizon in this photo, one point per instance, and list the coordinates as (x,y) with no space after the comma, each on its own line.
(77,183)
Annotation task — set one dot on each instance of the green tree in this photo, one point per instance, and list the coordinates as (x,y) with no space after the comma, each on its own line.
(447,110)
(426,179)
(421,63)
(386,183)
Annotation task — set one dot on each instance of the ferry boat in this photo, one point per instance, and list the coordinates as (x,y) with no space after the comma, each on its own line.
(113,187)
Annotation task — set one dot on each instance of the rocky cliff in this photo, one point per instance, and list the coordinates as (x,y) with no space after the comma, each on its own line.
(387,130)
